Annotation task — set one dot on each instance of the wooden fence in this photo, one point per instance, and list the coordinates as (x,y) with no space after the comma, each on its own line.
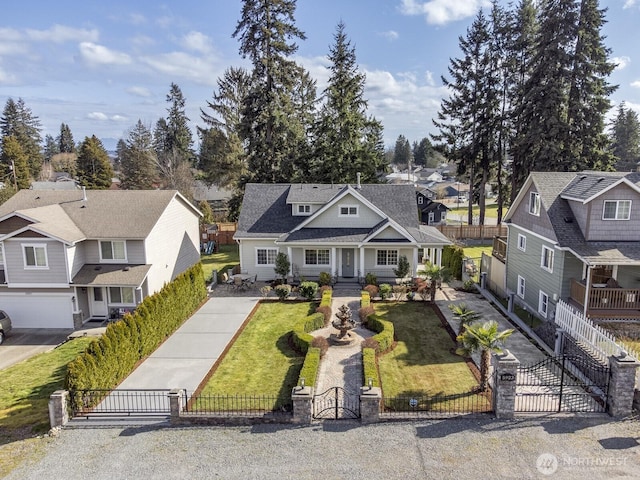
(222,235)
(481,232)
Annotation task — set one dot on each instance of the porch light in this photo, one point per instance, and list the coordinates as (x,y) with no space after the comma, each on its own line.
(302,382)
(370,383)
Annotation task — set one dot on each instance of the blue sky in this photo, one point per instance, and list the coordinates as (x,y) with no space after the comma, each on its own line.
(100,66)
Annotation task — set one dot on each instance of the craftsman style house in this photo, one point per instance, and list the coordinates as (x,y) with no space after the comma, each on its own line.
(430,212)
(70,256)
(344,230)
(576,236)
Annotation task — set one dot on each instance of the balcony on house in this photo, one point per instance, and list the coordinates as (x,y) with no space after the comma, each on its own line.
(500,248)
(606,300)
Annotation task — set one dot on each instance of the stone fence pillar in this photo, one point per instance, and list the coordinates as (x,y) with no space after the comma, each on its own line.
(302,398)
(558,348)
(176,397)
(370,398)
(58,408)
(622,385)
(504,387)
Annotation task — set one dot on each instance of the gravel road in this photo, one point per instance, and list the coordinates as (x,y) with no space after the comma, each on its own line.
(571,447)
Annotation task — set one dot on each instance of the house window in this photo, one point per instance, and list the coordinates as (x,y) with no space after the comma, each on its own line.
(443,216)
(348,210)
(386,257)
(431,218)
(113,251)
(522,242)
(266,256)
(616,210)
(534,203)
(304,209)
(316,257)
(547,259)
(420,200)
(521,283)
(35,256)
(543,304)
(123,295)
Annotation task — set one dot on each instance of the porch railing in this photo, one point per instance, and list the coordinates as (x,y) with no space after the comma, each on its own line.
(606,298)
(500,248)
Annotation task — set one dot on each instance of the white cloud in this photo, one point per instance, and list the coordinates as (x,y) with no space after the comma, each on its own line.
(6,78)
(118,118)
(97,116)
(621,62)
(440,12)
(139,91)
(390,35)
(636,84)
(629,3)
(62,34)
(137,18)
(164,21)
(94,54)
(142,41)
(201,70)
(196,41)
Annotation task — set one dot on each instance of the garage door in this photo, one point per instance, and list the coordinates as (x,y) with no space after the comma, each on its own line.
(38,310)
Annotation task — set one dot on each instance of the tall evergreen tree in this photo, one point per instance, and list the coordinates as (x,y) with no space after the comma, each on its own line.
(347,141)
(423,152)
(94,167)
(138,163)
(19,121)
(65,140)
(50,147)
(625,139)
(15,162)
(269,128)
(178,133)
(402,154)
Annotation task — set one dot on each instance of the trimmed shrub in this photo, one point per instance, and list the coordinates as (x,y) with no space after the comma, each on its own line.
(371,279)
(282,291)
(308,290)
(385,291)
(310,367)
(370,367)
(324,288)
(399,291)
(372,290)
(364,312)
(324,278)
(326,313)
(370,343)
(325,300)
(265,290)
(365,299)
(385,332)
(114,356)
(452,258)
(300,336)
(320,343)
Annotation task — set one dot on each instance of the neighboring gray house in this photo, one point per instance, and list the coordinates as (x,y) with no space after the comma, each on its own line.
(576,236)
(215,196)
(345,230)
(67,257)
(430,212)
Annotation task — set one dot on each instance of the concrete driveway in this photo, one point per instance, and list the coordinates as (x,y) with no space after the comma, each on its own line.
(25,343)
(186,357)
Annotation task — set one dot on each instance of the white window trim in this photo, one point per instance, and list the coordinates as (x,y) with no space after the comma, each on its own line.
(303,209)
(387,264)
(304,254)
(133,293)
(522,242)
(348,207)
(420,200)
(543,306)
(443,216)
(431,217)
(113,260)
(617,202)
(534,206)
(521,283)
(542,265)
(34,246)
(266,264)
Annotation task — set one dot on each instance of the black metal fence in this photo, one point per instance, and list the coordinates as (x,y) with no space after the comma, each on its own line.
(437,406)
(91,403)
(238,405)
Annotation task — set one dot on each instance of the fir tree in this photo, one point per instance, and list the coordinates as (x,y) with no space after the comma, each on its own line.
(50,147)
(65,140)
(138,163)
(625,139)
(94,167)
(15,162)
(18,120)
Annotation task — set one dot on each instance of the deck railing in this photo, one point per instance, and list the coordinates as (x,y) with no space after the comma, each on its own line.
(606,298)
(499,248)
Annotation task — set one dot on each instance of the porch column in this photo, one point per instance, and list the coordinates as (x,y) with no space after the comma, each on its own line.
(289,254)
(586,291)
(361,266)
(334,258)
(438,253)
(415,261)
(622,384)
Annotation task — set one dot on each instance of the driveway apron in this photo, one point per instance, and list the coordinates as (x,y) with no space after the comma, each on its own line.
(186,357)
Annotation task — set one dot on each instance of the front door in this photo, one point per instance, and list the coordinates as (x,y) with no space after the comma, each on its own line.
(348,261)
(98,301)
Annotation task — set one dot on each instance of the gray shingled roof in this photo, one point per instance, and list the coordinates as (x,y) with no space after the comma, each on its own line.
(597,253)
(339,235)
(265,212)
(106,213)
(111,274)
(585,185)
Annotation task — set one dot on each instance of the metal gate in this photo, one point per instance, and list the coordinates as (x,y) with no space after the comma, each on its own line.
(336,403)
(119,403)
(568,383)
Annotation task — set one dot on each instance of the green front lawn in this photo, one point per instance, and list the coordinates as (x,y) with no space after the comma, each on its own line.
(261,360)
(422,363)
(24,398)
(490,211)
(227,257)
(477,251)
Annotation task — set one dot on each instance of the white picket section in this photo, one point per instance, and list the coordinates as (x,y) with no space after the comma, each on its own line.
(582,329)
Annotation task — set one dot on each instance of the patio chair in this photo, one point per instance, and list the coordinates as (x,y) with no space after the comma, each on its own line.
(238,283)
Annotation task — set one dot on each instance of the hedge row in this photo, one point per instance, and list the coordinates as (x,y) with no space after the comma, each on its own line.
(109,360)
(452,256)
(370,367)
(365,299)
(384,330)
(310,367)
(300,333)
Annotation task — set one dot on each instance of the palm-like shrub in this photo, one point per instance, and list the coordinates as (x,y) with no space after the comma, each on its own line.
(464,314)
(435,275)
(283,291)
(487,339)
(385,291)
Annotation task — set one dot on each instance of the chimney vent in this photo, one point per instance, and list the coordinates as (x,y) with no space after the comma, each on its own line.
(358,186)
